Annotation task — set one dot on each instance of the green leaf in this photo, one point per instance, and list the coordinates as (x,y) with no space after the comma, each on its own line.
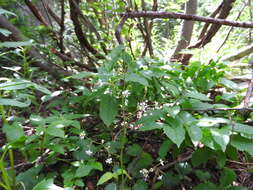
(242,128)
(16,85)
(5,32)
(13,132)
(83,170)
(47,184)
(197,95)
(211,121)
(227,177)
(195,133)
(133,77)
(134,150)
(242,143)
(29,177)
(41,89)
(203,175)
(55,131)
(3,11)
(111,186)
(201,156)
(15,44)
(206,186)
(175,131)
(104,178)
(96,165)
(82,75)
(230,84)
(164,148)
(140,185)
(221,136)
(108,109)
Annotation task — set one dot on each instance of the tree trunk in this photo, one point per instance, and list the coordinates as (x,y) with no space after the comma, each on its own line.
(187,28)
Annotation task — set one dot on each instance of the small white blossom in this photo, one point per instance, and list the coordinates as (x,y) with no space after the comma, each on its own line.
(82,135)
(125,93)
(144,172)
(161,162)
(89,152)
(151,170)
(160,177)
(108,160)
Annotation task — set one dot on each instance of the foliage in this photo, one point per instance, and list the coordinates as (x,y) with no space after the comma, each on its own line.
(137,122)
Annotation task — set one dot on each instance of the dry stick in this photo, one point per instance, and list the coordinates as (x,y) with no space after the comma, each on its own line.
(231,29)
(250,13)
(248,94)
(164,15)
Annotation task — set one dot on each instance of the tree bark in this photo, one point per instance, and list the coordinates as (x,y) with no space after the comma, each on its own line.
(187,28)
(239,54)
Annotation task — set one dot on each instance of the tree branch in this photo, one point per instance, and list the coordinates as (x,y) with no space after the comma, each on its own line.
(164,15)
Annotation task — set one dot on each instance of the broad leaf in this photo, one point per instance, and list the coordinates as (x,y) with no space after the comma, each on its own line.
(201,156)
(137,78)
(108,109)
(242,143)
(5,32)
(195,133)
(221,136)
(55,131)
(47,184)
(197,95)
(13,132)
(242,128)
(104,178)
(227,177)
(175,131)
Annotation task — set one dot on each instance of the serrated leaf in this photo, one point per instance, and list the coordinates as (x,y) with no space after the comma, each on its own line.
(221,136)
(175,131)
(133,77)
(197,95)
(47,184)
(108,109)
(41,89)
(104,178)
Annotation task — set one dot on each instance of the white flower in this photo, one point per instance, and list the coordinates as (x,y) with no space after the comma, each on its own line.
(108,160)
(160,177)
(144,172)
(125,93)
(82,135)
(89,152)
(161,162)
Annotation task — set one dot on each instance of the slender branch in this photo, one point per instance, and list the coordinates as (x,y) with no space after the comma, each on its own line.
(164,15)
(119,29)
(62,25)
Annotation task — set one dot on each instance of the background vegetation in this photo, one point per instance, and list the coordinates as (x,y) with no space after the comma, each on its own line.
(120,95)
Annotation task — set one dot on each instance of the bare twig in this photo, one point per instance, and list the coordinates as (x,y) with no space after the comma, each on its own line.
(119,28)
(164,15)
